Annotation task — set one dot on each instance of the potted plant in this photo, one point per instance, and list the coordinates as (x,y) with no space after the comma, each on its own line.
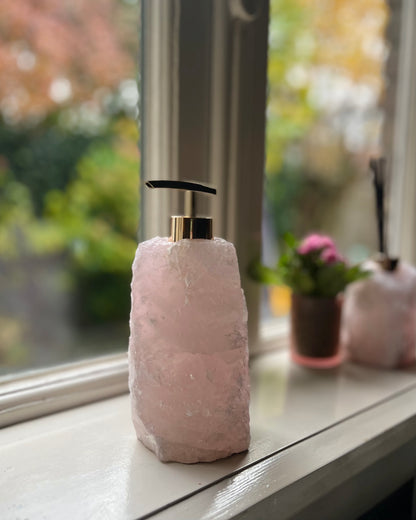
(317,274)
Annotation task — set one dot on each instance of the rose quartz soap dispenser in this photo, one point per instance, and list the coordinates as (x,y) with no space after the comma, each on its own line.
(188,353)
(379,314)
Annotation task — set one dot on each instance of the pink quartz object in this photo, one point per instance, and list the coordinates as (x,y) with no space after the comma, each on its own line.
(379,319)
(188,353)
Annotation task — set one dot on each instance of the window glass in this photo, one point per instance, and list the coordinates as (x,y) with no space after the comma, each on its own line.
(68,178)
(324,121)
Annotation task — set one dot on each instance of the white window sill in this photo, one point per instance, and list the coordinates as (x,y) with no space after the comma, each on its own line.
(346,437)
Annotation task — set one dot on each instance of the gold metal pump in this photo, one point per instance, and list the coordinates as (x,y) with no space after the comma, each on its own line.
(189,225)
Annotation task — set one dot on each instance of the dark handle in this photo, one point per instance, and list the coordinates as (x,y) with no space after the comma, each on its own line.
(378,168)
(182,185)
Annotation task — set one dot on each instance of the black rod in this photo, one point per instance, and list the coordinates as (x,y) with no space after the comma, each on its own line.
(378,168)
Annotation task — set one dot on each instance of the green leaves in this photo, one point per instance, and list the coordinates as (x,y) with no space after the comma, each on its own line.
(260,273)
(307,273)
(290,240)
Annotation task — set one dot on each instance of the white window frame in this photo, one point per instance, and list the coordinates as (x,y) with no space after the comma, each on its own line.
(402,166)
(42,392)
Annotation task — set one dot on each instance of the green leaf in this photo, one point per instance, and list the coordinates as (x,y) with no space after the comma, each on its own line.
(290,240)
(263,274)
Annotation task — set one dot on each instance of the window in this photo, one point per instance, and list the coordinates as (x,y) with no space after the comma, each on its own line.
(69,167)
(326,108)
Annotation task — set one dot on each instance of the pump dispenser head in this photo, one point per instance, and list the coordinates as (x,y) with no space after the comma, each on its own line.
(188,225)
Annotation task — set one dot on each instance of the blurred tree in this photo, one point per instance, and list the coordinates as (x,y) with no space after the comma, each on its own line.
(349,37)
(68,143)
(98,217)
(319,52)
(53,52)
(307,39)
(289,113)
(66,69)
(43,157)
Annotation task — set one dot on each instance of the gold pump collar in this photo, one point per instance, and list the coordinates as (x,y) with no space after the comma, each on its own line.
(188,225)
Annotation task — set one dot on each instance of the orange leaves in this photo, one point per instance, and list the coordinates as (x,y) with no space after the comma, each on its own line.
(79,41)
(351,35)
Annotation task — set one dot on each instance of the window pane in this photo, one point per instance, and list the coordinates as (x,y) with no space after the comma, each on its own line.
(324,121)
(68,178)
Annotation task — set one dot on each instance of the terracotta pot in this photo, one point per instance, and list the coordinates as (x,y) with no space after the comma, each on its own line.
(315,330)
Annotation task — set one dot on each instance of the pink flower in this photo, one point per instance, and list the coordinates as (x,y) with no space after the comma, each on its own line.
(330,255)
(323,243)
(314,242)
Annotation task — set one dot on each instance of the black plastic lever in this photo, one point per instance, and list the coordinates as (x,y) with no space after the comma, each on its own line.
(182,185)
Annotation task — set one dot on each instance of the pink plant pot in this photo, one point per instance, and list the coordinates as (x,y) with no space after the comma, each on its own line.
(315,331)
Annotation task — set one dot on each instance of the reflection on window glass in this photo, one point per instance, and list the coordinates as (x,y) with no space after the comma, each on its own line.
(326,61)
(68,178)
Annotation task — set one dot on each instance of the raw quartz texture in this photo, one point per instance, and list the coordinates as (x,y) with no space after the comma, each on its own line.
(379,317)
(188,353)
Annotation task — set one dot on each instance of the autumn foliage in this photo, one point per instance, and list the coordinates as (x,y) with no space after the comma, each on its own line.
(82,44)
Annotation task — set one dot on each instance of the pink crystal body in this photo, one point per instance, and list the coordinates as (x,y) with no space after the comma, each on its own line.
(188,354)
(379,320)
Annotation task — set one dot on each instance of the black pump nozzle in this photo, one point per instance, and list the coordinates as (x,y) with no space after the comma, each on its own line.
(190,187)
(188,225)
